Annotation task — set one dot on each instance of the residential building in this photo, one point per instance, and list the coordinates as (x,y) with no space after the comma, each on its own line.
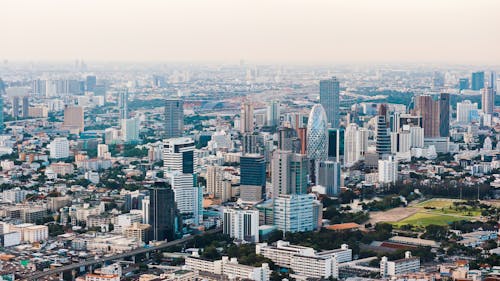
(241,224)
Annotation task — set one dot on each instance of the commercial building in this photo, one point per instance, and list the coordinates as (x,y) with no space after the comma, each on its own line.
(329,177)
(163,213)
(252,177)
(402,266)
(59,148)
(317,139)
(174,118)
(289,173)
(74,118)
(329,97)
(241,224)
(230,268)
(477,80)
(294,212)
(178,155)
(246,117)
(138,231)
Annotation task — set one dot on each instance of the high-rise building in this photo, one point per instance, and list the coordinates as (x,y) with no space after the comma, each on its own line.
(59,148)
(174,118)
(123,104)
(387,170)
(487,100)
(15,107)
(26,106)
(351,145)
(336,144)
(163,213)
(241,224)
(463,84)
(438,80)
(288,139)
(252,177)
(249,142)
(90,83)
(317,139)
(289,173)
(329,177)
(74,118)
(493,81)
(464,111)
(444,115)
(329,97)
(130,129)
(477,80)
(246,117)
(383,136)
(294,212)
(217,184)
(178,155)
(273,114)
(188,196)
(428,108)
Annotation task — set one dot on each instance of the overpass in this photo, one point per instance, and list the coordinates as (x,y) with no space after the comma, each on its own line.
(37,275)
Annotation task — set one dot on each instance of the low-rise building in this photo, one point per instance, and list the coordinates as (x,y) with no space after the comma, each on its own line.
(402,266)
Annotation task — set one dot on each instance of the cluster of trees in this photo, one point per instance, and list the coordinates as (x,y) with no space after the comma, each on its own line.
(387,202)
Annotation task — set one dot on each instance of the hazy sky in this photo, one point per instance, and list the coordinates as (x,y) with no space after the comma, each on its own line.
(307,31)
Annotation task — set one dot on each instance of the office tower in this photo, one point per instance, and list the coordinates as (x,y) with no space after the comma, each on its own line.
(487,100)
(188,196)
(387,170)
(273,114)
(163,213)
(249,142)
(477,80)
(130,129)
(464,110)
(241,224)
(329,98)
(103,150)
(252,178)
(288,173)
(174,118)
(294,212)
(90,83)
(329,177)
(26,106)
(428,108)
(288,140)
(493,81)
(123,104)
(416,137)
(336,144)
(317,139)
(145,209)
(463,84)
(38,87)
(444,115)
(351,145)
(246,117)
(74,118)
(59,148)
(383,137)
(15,107)
(178,155)
(401,142)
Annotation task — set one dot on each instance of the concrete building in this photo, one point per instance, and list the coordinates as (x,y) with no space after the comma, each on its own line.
(174,118)
(289,173)
(74,118)
(138,231)
(59,148)
(241,224)
(246,117)
(403,266)
(387,170)
(294,212)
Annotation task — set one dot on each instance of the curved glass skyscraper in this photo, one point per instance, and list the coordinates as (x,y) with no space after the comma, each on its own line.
(317,139)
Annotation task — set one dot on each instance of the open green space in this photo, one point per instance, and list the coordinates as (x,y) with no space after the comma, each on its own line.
(424,219)
(447,207)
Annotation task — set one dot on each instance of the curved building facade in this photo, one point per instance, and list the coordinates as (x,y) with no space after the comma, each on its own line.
(317,138)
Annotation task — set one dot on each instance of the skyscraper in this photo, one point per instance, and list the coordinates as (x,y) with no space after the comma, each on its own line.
(336,144)
(273,114)
(178,155)
(351,145)
(493,81)
(444,115)
(463,84)
(163,213)
(123,104)
(383,136)
(464,110)
(130,129)
(294,212)
(487,100)
(288,139)
(15,107)
(329,177)
(289,173)
(477,80)
(428,109)
(26,106)
(174,118)
(90,83)
(246,117)
(317,140)
(329,97)
(2,94)
(252,177)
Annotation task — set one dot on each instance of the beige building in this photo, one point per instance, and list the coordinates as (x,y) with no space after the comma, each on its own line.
(138,231)
(74,118)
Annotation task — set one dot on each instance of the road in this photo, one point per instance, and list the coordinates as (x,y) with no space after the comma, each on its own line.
(137,251)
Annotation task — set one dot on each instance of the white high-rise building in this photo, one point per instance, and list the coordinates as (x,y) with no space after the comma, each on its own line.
(487,100)
(187,196)
(416,137)
(130,129)
(294,212)
(59,148)
(241,224)
(145,210)
(178,155)
(103,151)
(387,170)
(464,110)
(246,118)
(352,144)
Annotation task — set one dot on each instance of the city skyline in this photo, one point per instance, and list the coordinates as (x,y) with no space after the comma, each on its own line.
(256,31)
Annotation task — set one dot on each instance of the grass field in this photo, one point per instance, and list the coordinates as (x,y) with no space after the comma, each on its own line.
(424,219)
(436,203)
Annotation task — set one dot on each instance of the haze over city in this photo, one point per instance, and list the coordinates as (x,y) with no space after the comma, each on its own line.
(360,31)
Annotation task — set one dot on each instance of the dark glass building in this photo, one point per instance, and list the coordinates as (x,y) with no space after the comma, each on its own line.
(336,144)
(477,80)
(444,115)
(163,214)
(253,171)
